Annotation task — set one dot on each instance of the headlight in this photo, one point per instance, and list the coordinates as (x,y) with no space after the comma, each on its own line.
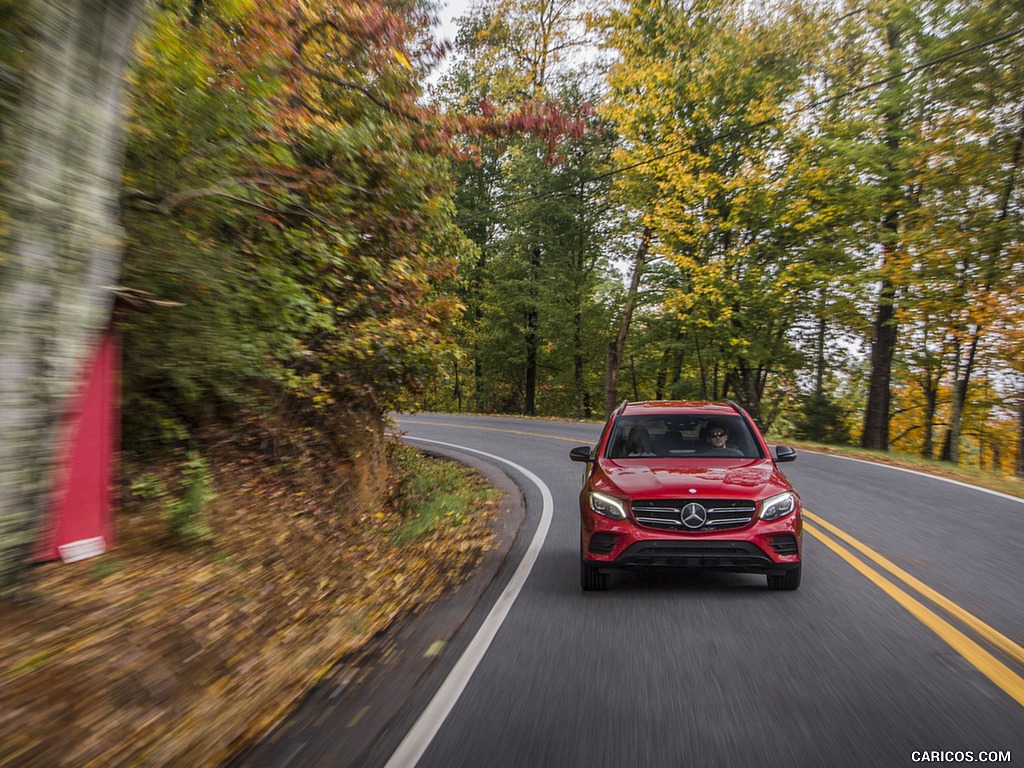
(775,507)
(608,506)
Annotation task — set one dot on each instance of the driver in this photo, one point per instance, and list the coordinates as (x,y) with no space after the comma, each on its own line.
(718,435)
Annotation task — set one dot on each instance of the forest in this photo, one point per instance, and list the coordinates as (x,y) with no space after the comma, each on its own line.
(810,208)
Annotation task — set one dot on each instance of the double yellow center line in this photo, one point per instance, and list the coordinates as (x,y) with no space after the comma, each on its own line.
(995,670)
(971,650)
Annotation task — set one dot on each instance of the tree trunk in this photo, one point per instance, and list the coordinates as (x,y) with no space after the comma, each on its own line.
(746,384)
(532,342)
(819,372)
(951,448)
(458,387)
(579,404)
(883,343)
(931,404)
(1018,468)
(481,390)
(63,251)
(671,363)
(480,399)
(530,395)
(883,348)
(615,348)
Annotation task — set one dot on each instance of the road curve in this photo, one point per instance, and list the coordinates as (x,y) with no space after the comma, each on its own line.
(857,668)
(901,646)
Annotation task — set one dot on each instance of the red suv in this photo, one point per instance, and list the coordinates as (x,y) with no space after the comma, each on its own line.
(687,485)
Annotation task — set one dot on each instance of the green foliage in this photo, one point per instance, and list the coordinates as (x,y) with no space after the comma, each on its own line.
(333,252)
(532,325)
(186,514)
(731,217)
(432,492)
(149,488)
(284,187)
(823,420)
(104,567)
(183,506)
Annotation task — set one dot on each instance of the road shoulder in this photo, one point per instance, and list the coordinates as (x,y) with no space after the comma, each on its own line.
(355,715)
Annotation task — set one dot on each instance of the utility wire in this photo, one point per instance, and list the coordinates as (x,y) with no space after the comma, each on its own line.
(739,132)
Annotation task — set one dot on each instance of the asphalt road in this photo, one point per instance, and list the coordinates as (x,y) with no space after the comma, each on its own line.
(900,647)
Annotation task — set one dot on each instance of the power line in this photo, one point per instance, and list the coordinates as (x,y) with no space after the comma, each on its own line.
(739,132)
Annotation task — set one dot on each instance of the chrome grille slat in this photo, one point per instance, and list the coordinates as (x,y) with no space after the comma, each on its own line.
(732,521)
(722,514)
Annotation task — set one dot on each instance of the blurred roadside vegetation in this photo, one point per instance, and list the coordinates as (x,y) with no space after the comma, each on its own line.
(182,651)
(12,62)
(305,228)
(432,493)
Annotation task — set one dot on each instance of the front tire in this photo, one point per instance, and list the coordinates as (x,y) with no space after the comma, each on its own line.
(592,579)
(787,581)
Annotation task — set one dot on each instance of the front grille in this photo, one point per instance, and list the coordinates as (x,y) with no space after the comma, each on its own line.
(665,514)
(740,556)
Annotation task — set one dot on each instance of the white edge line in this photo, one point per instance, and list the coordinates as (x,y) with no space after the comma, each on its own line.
(1001,495)
(430,721)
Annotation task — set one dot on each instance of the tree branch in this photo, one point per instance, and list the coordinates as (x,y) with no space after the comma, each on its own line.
(335,80)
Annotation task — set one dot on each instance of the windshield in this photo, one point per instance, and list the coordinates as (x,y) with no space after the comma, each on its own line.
(679,435)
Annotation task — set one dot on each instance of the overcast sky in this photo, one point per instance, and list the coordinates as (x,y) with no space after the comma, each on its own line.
(449,10)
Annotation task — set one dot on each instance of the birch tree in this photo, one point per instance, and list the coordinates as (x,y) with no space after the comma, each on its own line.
(61,253)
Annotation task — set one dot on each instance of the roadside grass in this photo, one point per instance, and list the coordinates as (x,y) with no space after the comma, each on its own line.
(431,493)
(993,481)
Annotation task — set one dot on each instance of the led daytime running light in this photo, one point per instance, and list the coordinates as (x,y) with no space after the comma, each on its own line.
(775,507)
(607,506)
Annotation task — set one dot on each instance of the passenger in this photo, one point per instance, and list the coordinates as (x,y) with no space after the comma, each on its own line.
(639,442)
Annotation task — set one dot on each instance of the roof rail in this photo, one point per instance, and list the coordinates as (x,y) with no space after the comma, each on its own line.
(622,407)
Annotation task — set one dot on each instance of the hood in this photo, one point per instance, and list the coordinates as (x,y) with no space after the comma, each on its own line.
(674,478)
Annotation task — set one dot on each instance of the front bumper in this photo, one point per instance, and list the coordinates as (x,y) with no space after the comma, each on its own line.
(771,547)
(735,556)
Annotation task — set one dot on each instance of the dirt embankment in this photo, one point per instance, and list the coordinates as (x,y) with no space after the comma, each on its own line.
(157,654)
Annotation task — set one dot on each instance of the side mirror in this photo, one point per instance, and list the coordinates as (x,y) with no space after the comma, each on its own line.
(785,453)
(581,453)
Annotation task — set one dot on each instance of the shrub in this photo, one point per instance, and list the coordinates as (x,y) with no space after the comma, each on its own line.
(823,420)
(185,515)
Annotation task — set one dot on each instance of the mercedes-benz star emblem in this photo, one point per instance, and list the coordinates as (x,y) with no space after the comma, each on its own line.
(693,515)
